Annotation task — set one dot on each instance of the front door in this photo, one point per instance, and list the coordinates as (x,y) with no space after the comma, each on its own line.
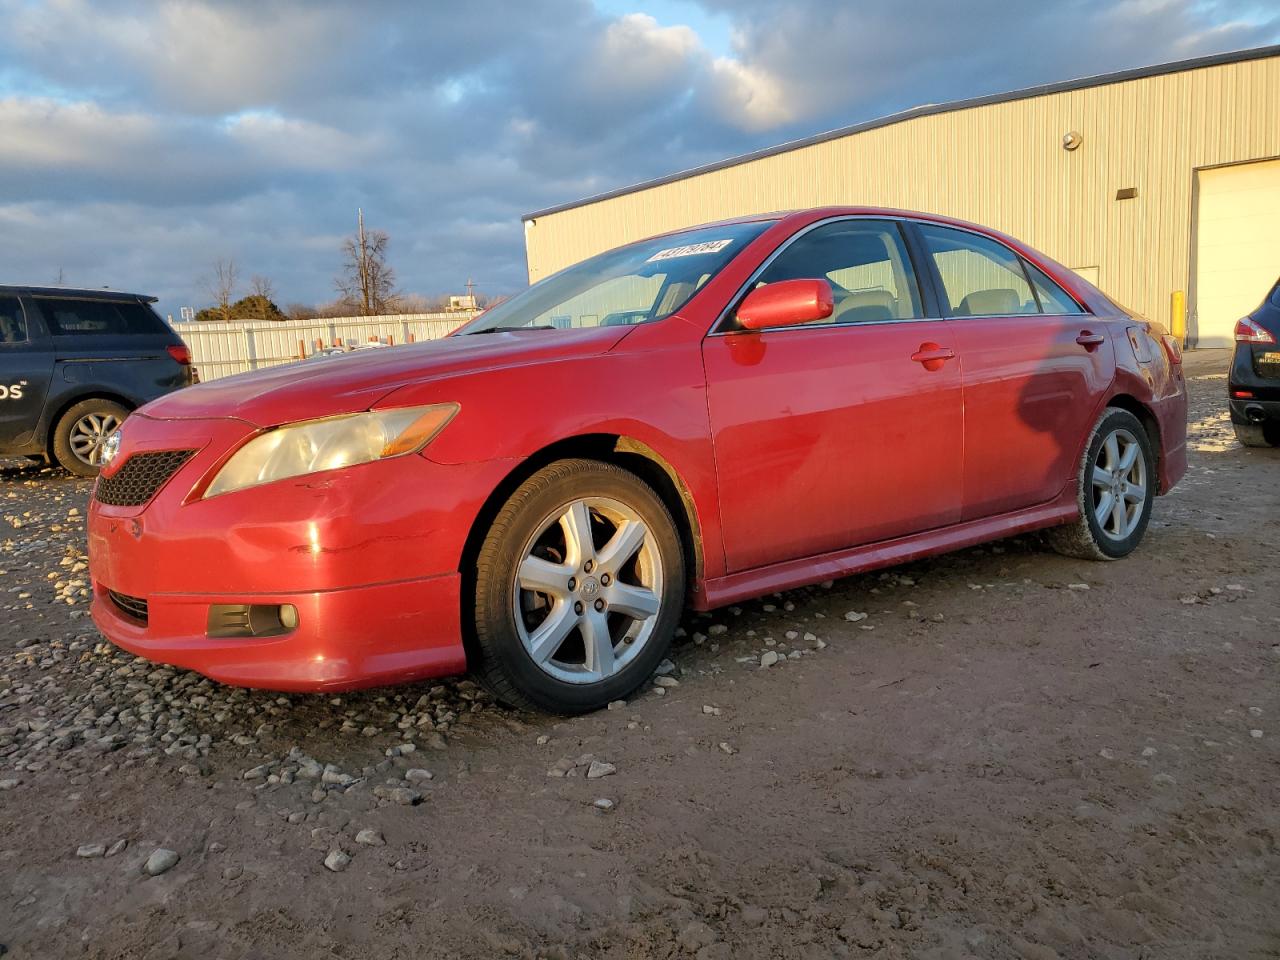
(839,433)
(1035,368)
(26,366)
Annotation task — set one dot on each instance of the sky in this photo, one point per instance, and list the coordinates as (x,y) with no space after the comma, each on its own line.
(142,141)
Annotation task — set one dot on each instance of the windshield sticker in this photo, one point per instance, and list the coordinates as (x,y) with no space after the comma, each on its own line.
(690,250)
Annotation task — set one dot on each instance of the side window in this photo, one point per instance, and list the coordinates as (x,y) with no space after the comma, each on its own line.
(865,262)
(981,278)
(73,318)
(68,318)
(13,322)
(1053,299)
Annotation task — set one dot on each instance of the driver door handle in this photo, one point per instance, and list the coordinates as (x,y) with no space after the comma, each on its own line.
(932,357)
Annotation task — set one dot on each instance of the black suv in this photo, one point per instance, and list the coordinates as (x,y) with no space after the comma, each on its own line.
(1253,386)
(73,363)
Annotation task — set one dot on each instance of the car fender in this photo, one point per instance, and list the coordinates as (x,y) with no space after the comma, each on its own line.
(515,413)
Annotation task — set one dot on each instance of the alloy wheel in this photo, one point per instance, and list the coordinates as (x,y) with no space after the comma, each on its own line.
(89,436)
(588,590)
(1119,484)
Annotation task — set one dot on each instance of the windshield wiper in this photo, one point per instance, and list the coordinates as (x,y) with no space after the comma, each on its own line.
(540,326)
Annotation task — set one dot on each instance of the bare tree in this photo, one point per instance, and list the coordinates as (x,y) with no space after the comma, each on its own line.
(367,282)
(222,286)
(263,291)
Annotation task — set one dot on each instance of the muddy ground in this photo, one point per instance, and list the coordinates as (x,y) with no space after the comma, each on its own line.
(1014,755)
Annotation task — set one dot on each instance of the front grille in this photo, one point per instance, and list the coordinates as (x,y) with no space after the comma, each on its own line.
(134,607)
(140,477)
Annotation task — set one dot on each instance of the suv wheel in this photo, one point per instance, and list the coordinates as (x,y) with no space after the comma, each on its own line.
(80,435)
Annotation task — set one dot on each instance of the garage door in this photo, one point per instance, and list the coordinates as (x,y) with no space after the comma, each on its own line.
(1237,246)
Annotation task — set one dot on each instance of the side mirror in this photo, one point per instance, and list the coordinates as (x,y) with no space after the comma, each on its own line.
(786,303)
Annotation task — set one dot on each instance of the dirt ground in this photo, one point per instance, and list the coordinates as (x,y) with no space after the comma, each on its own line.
(1014,755)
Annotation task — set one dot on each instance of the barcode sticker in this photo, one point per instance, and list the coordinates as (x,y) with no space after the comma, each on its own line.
(690,250)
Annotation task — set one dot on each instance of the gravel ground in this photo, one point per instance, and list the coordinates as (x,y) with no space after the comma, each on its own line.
(995,754)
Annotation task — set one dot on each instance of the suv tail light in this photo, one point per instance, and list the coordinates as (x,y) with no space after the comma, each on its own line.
(179,352)
(1247,331)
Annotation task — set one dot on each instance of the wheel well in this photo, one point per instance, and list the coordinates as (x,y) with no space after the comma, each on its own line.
(66,405)
(1148,420)
(627,453)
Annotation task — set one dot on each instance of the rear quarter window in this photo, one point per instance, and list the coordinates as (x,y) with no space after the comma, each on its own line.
(87,318)
(13,323)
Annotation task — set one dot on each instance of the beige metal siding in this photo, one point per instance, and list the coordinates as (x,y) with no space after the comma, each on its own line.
(999,164)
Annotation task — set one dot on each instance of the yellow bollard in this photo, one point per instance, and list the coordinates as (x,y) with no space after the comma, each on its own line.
(1178,316)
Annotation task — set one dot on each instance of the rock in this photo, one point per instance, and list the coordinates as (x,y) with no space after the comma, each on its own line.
(613,705)
(160,861)
(8,783)
(1106,754)
(561,767)
(117,848)
(1256,734)
(666,682)
(233,872)
(697,935)
(664,668)
(418,775)
(1149,751)
(710,711)
(854,616)
(337,861)
(1077,586)
(405,797)
(370,838)
(728,748)
(768,659)
(603,803)
(89,850)
(717,629)
(600,769)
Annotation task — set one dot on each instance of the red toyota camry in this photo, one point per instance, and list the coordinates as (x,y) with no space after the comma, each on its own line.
(697,418)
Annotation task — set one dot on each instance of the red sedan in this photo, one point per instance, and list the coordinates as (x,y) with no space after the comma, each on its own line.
(697,418)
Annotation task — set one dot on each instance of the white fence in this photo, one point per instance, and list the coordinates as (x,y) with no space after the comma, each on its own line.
(221,349)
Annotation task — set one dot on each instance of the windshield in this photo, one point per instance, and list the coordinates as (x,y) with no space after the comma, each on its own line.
(633,284)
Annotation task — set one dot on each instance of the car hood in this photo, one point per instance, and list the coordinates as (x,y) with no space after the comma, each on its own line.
(331,386)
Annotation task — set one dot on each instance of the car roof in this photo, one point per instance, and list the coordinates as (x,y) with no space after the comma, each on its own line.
(809,214)
(80,293)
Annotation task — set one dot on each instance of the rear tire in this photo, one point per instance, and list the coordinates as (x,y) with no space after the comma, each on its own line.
(1256,435)
(579,587)
(80,433)
(1118,464)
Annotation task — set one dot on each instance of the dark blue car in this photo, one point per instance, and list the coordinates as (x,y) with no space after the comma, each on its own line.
(73,364)
(1254,382)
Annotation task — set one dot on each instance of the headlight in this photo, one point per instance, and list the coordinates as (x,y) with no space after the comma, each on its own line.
(316,445)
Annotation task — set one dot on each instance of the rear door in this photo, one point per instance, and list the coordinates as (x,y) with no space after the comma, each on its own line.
(830,435)
(1035,369)
(115,345)
(26,366)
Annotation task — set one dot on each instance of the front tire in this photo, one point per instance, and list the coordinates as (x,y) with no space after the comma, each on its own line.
(579,587)
(80,433)
(1115,488)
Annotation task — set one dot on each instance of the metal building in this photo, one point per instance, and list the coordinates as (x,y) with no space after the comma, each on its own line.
(1161,184)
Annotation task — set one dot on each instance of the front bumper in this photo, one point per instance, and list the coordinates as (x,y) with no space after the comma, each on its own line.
(345,639)
(369,555)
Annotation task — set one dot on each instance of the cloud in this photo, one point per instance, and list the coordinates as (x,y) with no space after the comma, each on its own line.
(145,138)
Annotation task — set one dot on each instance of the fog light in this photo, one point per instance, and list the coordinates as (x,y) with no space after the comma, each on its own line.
(229,621)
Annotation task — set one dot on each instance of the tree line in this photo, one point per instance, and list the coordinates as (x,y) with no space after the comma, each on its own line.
(365,286)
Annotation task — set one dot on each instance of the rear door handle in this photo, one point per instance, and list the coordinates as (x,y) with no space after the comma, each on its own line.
(1088,339)
(932,356)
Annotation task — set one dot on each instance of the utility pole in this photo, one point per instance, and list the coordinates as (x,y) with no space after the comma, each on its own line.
(471,292)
